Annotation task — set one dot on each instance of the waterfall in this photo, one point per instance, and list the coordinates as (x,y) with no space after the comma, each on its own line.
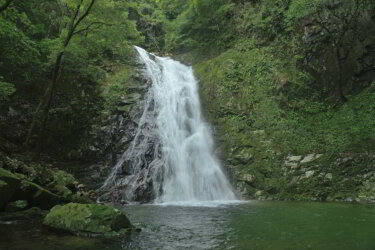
(171,157)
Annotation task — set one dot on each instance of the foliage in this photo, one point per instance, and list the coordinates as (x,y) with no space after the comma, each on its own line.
(6,90)
(32,34)
(202,23)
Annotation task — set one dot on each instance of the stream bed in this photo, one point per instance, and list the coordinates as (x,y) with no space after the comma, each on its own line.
(250,225)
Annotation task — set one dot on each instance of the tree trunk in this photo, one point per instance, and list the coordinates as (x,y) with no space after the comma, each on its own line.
(44,106)
(340,84)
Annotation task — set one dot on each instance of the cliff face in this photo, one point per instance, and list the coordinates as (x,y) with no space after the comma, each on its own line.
(281,126)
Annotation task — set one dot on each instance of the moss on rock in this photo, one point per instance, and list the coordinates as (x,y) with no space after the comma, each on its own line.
(37,195)
(88,220)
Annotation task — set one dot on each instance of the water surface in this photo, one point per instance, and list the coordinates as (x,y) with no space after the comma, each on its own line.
(254,225)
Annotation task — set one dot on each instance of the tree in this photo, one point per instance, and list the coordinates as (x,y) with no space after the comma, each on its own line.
(204,22)
(41,114)
(340,21)
(340,26)
(5,5)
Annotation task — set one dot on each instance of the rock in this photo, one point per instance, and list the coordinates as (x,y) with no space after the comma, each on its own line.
(248,178)
(291,164)
(258,194)
(62,191)
(328,176)
(258,132)
(63,178)
(318,156)
(16,206)
(308,158)
(88,220)
(9,184)
(294,158)
(244,156)
(309,173)
(37,196)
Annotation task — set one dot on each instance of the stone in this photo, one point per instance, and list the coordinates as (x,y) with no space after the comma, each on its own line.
(63,178)
(294,158)
(16,206)
(248,178)
(244,156)
(291,164)
(328,176)
(88,220)
(258,132)
(258,193)
(308,158)
(309,173)
(9,184)
(37,195)
(317,156)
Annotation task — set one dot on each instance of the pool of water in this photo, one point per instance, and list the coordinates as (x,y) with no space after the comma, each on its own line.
(251,225)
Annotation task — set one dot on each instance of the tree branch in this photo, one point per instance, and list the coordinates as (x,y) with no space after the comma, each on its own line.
(90,25)
(84,15)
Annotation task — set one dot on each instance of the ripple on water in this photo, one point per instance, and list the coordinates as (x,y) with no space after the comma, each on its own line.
(254,225)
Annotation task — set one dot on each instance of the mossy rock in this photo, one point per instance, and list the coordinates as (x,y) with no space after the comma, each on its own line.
(37,195)
(9,184)
(63,178)
(89,220)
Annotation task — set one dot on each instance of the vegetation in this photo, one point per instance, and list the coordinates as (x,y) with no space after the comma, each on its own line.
(278,77)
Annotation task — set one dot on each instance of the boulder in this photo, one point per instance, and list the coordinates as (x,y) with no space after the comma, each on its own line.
(88,220)
(37,196)
(9,184)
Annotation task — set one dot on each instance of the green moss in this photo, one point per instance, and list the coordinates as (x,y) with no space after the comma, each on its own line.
(263,105)
(88,219)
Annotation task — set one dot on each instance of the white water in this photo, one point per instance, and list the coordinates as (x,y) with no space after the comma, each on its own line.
(184,169)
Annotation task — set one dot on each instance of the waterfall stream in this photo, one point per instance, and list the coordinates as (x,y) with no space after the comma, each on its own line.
(171,159)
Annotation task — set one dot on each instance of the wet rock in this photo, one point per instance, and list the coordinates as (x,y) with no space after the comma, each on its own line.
(88,220)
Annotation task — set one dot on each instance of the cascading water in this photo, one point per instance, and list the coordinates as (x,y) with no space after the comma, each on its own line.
(171,158)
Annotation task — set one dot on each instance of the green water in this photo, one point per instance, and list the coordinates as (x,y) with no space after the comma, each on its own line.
(254,225)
